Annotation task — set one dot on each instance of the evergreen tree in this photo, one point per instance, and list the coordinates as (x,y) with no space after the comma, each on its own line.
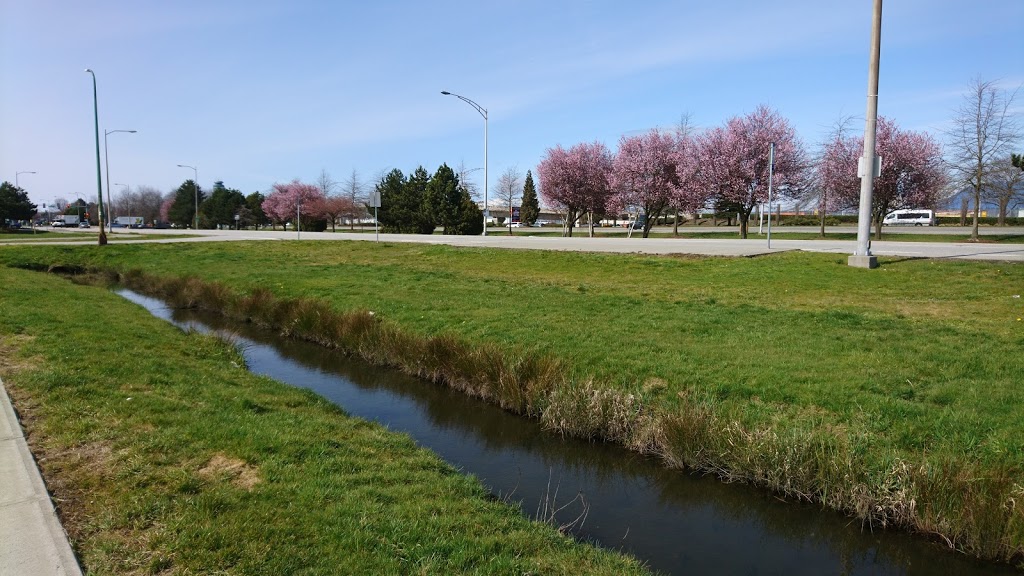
(420,218)
(394,211)
(444,199)
(530,210)
(14,203)
(222,205)
(254,214)
(471,217)
(183,208)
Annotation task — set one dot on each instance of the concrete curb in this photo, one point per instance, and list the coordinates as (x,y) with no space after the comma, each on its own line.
(32,540)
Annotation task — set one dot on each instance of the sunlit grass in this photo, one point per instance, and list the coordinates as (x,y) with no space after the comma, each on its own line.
(165,455)
(866,390)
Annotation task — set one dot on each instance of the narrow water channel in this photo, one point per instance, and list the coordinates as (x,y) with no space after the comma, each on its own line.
(677,523)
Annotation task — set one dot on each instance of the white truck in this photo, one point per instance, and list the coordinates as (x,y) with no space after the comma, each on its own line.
(128,222)
(66,220)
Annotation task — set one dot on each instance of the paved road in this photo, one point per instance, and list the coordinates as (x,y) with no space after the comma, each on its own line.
(709,246)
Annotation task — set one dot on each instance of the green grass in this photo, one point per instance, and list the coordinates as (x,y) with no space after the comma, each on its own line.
(165,456)
(892,394)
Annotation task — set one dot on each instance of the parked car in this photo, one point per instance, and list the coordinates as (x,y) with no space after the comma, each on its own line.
(57,223)
(83,224)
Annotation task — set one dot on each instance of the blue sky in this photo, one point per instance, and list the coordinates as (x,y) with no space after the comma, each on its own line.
(255,92)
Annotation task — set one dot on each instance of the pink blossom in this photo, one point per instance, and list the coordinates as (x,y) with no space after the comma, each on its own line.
(912,174)
(577,180)
(281,204)
(733,161)
(644,174)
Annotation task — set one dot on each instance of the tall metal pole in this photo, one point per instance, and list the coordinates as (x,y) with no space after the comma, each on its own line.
(99,173)
(862,257)
(771,173)
(483,112)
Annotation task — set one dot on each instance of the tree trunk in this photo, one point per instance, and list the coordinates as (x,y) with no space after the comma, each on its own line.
(590,223)
(964,204)
(675,224)
(822,230)
(1004,203)
(977,210)
(743,224)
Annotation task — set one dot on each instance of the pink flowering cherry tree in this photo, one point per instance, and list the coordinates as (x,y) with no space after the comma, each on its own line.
(644,175)
(689,194)
(912,175)
(576,181)
(733,160)
(281,204)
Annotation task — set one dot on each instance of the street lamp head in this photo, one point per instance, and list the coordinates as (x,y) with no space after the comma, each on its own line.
(446,93)
(131,131)
(89,70)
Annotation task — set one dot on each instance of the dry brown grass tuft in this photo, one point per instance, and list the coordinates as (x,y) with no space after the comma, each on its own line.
(239,473)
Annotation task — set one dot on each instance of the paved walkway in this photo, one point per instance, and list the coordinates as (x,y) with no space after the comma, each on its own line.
(32,540)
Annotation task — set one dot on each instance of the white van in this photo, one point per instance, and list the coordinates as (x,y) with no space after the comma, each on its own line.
(909,218)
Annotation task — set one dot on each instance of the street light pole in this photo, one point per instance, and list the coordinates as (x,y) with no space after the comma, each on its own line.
(869,163)
(99,173)
(106,159)
(483,112)
(195,188)
(17,174)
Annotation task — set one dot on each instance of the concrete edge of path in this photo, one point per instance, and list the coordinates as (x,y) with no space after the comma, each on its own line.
(32,540)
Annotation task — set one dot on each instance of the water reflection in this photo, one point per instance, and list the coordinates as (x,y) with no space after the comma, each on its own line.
(678,523)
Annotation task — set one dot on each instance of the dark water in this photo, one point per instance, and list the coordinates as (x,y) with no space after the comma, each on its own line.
(677,523)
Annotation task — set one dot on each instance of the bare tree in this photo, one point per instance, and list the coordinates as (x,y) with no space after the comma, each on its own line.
(355,192)
(509,188)
(325,183)
(1006,186)
(983,130)
(466,182)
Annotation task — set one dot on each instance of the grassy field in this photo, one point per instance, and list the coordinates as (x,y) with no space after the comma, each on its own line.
(893,394)
(165,456)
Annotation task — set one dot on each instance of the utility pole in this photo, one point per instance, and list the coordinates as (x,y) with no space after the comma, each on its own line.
(869,163)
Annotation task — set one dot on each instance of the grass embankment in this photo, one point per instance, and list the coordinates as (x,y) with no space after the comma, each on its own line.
(894,394)
(165,455)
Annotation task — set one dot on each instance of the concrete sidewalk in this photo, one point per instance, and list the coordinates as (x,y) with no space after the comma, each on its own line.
(32,540)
